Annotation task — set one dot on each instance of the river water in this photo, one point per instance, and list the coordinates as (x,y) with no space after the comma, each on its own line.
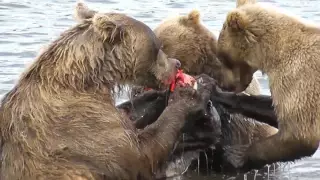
(27,26)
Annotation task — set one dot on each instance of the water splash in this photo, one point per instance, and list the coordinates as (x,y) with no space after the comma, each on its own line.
(198,165)
(183,138)
(255,174)
(268,173)
(207,161)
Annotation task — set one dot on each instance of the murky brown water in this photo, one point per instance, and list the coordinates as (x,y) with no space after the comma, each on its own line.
(28,25)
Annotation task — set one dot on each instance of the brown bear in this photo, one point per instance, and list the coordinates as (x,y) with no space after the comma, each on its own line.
(60,121)
(253,38)
(187,39)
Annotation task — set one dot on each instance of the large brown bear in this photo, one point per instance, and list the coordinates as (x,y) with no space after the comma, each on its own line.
(60,121)
(255,37)
(187,39)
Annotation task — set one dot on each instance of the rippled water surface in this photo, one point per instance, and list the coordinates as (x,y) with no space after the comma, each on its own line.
(26,26)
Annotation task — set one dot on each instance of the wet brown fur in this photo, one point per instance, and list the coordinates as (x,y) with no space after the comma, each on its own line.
(187,39)
(60,121)
(287,50)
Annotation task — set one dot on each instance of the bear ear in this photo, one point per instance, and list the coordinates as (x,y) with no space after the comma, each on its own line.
(237,20)
(194,16)
(82,12)
(108,28)
(243,2)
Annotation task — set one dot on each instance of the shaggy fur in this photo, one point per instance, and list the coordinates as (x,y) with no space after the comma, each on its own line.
(60,122)
(287,50)
(187,39)
(237,129)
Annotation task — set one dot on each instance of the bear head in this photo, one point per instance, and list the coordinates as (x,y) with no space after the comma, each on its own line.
(186,38)
(131,53)
(238,46)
